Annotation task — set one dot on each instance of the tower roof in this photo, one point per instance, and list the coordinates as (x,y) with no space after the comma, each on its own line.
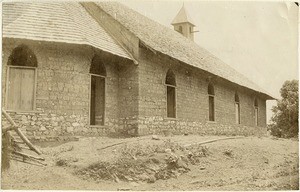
(182,17)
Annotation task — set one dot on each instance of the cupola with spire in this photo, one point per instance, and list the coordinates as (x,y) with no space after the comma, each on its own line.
(183,24)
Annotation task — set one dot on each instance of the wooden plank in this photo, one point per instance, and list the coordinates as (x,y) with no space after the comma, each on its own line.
(27,89)
(28,156)
(9,128)
(19,132)
(5,151)
(14,88)
(20,160)
(213,140)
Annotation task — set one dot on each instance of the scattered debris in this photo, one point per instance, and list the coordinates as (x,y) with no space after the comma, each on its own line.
(61,163)
(168,150)
(228,152)
(138,164)
(155,137)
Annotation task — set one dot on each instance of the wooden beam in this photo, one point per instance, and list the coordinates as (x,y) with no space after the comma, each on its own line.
(9,128)
(213,140)
(28,156)
(19,132)
(20,160)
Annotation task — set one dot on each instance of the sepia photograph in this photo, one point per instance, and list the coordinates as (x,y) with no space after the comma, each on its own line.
(150,95)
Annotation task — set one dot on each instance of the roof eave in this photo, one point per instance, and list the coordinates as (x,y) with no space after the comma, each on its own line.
(175,23)
(65,42)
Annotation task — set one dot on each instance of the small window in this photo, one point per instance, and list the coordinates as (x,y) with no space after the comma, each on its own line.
(237,109)
(180,29)
(256,111)
(170,82)
(21,77)
(211,102)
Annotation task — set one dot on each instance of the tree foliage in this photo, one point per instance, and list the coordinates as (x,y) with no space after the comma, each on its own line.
(284,122)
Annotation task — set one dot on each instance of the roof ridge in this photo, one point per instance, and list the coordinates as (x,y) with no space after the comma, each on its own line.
(169,42)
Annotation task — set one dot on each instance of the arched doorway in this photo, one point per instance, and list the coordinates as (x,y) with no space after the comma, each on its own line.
(97,91)
(21,79)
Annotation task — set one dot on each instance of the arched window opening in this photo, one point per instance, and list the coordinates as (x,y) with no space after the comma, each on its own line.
(237,109)
(97,93)
(211,102)
(170,82)
(21,79)
(256,111)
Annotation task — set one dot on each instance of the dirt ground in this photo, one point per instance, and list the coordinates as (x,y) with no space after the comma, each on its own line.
(247,163)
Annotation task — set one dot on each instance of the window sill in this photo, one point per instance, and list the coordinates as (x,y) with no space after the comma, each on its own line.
(97,126)
(212,122)
(21,112)
(171,118)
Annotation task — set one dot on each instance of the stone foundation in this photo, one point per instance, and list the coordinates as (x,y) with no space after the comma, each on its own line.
(159,125)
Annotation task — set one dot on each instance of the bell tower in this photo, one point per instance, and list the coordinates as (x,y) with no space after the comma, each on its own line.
(183,24)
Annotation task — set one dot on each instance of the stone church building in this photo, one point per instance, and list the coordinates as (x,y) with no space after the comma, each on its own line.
(101,68)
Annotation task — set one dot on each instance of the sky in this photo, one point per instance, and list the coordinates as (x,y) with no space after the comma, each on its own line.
(258,39)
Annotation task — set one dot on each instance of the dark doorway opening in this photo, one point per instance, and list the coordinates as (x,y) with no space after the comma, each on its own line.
(211,108)
(170,82)
(171,102)
(97,100)
(97,94)
(211,102)
(237,109)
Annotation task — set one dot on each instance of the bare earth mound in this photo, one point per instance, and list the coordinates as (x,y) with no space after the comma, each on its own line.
(170,163)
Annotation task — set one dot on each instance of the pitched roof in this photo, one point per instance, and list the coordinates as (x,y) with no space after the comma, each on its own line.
(173,44)
(182,17)
(57,22)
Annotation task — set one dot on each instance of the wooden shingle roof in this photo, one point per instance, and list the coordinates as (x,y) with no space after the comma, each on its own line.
(173,44)
(66,22)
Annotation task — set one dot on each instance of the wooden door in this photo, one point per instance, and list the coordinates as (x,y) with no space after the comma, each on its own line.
(21,89)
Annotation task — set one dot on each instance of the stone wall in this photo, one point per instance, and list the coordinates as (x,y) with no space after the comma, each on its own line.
(135,96)
(63,90)
(192,101)
(128,102)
